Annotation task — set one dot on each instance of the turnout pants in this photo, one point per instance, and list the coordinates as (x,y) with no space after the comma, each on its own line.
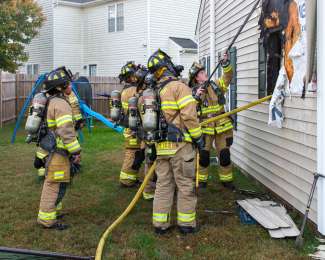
(175,173)
(129,173)
(51,202)
(223,142)
(132,160)
(149,190)
(54,188)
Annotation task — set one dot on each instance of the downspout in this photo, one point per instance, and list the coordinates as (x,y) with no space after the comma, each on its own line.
(320,115)
(212,35)
(148,29)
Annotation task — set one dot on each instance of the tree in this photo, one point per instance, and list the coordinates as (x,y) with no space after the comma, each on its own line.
(20,21)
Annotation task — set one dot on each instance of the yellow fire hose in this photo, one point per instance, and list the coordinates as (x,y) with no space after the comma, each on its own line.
(137,196)
(237,110)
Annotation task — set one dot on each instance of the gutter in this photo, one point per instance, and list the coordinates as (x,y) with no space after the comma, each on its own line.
(83,5)
(320,116)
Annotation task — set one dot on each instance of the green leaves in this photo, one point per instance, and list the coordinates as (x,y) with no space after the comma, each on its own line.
(20,21)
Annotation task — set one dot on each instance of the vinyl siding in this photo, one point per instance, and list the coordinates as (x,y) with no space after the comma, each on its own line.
(112,50)
(284,159)
(41,48)
(204,30)
(179,58)
(172,18)
(68,37)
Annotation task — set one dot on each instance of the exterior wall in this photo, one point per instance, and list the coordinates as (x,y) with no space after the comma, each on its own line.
(204,30)
(41,48)
(172,18)
(68,37)
(284,160)
(181,58)
(187,59)
(81,34)
(110,51)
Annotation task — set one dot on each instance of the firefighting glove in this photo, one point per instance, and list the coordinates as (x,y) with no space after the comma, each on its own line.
(204,158)
(152,153)
(38,163)
(138,160)
(224,61)
(79,124)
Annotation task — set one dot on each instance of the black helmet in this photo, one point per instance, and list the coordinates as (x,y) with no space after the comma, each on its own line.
(60,77)
(194,70)
(140,74)
(161,59)
(127,70)
(158,60)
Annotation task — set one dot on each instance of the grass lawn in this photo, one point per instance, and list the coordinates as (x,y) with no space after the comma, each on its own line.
(95,199)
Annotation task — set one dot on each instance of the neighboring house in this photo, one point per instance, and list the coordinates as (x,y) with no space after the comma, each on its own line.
(96,37)
(284,160)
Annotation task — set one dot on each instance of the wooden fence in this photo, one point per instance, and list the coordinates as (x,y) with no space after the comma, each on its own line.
(14,90)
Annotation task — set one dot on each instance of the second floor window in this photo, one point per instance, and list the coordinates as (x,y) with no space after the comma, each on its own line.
(116,18)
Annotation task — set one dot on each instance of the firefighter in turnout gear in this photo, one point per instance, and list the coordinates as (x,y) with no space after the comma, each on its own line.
(211,103)
(62,146)
(180,132)
(133,155)
(41,154)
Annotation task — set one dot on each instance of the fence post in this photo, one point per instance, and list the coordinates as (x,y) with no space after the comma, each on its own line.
(16,95)
(1,119)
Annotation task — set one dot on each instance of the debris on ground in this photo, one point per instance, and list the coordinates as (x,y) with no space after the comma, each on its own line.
(272,216)
(320,253)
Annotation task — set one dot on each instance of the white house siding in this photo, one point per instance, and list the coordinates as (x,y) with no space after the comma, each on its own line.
(204,30)
(172,18)
(187,59)
(112,50)
(173,51)
(41,48)
(284,160)
(180,57)
(68,37)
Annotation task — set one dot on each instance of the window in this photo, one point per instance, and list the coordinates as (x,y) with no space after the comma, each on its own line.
(120,18)
(116,18)
(92,70)
(32,69)
(269,63)
(111,18)
(205,61)
(29,69)
(36,69)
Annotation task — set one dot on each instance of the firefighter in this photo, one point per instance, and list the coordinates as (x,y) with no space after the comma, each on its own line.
(41,154)
(147,145)
(61,143)
(180,131)
(211,103)
(133,154)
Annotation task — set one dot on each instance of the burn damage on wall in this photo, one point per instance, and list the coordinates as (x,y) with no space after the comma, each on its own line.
(280,29)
